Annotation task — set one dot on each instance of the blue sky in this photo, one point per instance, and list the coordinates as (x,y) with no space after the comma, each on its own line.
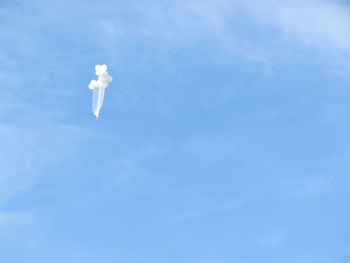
(224,137)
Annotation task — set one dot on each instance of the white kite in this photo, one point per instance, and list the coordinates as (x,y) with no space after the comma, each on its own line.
(98,87)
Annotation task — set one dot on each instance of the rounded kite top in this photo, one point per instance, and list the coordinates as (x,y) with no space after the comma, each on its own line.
(101,70)
(103,78)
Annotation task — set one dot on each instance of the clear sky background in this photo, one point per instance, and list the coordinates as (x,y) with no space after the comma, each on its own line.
(224,136)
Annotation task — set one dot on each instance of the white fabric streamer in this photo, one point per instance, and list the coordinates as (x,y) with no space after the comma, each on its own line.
(97,100)
(98,86)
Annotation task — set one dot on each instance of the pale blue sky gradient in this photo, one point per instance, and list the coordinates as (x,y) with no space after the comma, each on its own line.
(224,136)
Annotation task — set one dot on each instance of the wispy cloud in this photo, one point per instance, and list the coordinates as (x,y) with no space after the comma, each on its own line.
(210,209)
(278,26)
(256,30)
(322,24)
(307,187)
(27,151)
(13,223)
(273,239)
